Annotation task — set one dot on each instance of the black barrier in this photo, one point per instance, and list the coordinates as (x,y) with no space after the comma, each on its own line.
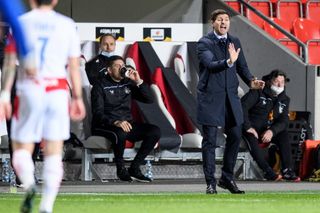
(299,130)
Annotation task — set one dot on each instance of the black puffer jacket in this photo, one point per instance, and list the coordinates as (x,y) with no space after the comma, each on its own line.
(111,101)
(264,111)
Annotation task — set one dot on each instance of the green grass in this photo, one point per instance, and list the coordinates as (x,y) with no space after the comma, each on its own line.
(286,202)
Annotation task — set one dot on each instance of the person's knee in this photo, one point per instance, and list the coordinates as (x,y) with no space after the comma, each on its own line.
(283,135)
(120,139)
(154,132)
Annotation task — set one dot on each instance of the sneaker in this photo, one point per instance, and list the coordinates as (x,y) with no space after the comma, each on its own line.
(273,177)
(20,185)
(211,189)
(123,174)
(289,175)
(27,203)
(136,174)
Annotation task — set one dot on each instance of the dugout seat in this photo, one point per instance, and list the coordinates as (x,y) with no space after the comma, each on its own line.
(189,140)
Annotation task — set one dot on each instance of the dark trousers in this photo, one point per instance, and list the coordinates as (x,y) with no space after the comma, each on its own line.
(148,133)
(209,144)
(282,142)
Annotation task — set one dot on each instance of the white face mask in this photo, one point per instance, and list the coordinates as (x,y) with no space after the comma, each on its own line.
(107,54)
(276,90)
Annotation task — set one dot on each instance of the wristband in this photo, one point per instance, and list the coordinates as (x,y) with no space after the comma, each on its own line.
(5,96)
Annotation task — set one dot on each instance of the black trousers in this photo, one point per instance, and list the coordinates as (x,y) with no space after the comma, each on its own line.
(209,144)
(282,142)
(148,133)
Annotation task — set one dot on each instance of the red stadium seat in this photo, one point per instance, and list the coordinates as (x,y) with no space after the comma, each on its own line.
(235,5)
(273,31)
(264,6)
(289,10)
(305,29)
(309,32)
(314,52)
(291,46)
(313,10)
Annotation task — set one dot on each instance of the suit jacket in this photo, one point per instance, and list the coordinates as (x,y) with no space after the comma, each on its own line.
(219,82)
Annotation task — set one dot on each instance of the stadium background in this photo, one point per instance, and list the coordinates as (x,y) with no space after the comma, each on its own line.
(262,52)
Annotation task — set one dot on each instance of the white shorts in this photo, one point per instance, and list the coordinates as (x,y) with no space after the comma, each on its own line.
(41,111)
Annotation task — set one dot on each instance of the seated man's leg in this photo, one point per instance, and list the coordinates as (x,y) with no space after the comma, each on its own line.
(282,141)
(258,155)
(118,146)
(150,135)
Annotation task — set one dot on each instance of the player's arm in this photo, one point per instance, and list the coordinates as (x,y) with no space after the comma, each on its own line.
(8,72)
(77,110)
(7,79)
(74,68)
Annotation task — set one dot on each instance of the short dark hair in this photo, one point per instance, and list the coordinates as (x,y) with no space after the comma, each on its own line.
(217,12)
(106,35)
(274,74)
(112,59)
(43,2)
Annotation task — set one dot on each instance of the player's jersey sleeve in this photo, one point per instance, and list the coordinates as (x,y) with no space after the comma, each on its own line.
(74,50)
(10,45)
(10,11)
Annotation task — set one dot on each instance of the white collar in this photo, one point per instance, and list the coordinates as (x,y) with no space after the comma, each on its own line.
(219,36)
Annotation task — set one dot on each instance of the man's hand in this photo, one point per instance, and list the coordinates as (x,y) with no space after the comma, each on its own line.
(134,75)
(257,84)
(233,53)
(5,110)
(77,109)
(5,105)
(124,125)
(267,136)
(254,132)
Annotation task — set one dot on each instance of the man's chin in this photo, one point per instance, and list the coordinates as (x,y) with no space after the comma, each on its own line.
(223,31)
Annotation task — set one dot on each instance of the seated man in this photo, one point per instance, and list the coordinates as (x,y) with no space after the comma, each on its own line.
(266,121)
(111,109)
(96,67)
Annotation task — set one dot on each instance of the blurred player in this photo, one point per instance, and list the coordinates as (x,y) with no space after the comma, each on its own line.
(42,110)
(10,10)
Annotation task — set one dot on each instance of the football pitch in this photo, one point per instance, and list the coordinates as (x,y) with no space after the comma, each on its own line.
(257,202)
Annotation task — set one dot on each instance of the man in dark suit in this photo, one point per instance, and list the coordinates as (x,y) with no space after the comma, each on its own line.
(221,59)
